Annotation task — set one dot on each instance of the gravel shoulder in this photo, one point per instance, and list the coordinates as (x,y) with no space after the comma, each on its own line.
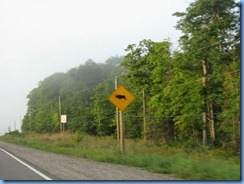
(62,167)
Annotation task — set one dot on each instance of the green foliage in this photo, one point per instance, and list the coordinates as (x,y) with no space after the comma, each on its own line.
(103,110)
(192,96)
(213,27)
(80,97)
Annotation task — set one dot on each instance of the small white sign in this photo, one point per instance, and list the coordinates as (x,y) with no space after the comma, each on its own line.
(63,118)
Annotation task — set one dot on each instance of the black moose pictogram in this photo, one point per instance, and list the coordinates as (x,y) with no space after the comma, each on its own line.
(121,97)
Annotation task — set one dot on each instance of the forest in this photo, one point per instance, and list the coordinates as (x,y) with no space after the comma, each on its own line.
(189,96)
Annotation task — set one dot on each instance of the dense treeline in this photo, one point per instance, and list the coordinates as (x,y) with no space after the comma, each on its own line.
(80,94)
(190,96)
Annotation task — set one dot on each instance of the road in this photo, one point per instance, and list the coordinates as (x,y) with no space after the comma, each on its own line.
(62,167)
(12,168)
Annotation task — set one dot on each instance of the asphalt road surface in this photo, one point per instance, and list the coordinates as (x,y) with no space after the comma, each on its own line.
(12,168)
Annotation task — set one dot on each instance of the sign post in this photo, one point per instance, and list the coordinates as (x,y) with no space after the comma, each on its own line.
(122,140)
(121,98)
(63,120)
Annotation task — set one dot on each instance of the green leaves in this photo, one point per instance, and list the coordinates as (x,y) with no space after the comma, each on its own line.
(190,94)
(82,93)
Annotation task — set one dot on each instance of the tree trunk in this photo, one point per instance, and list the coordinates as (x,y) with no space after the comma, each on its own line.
(204,113)
(234,133)
(212,122)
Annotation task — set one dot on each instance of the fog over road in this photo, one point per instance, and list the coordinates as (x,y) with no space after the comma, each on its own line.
(61,167)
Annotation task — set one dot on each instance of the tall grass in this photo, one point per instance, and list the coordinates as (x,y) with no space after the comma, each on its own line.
(193,165)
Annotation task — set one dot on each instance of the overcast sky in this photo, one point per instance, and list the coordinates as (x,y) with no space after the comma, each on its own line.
(41,37)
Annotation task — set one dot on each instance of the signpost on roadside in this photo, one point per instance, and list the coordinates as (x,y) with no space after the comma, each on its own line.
(63,120)
(121,98)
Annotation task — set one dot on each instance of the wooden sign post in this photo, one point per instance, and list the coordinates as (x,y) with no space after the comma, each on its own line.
(121,98)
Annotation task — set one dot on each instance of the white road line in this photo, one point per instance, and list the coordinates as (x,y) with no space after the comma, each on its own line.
(31,168)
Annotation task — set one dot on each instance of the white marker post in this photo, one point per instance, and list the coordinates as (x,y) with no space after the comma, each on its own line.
(63,120)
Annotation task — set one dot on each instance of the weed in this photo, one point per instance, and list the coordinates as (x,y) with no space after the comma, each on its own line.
(194,164)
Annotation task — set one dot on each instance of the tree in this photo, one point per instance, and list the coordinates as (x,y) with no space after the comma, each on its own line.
(209,30)
(149,68)
(79,90)
(103,110)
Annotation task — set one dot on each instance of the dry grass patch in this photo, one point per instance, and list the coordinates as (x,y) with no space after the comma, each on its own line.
(194,164)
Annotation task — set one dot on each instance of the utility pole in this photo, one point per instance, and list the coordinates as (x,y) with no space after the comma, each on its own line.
(30,118)
(117,111)
(99,120)
(59,106)
(20,123)
(144,115)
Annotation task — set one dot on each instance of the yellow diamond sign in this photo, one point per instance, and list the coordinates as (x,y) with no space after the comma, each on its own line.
(121,98)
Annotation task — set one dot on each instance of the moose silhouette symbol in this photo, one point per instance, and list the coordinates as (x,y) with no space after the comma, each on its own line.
(121,97)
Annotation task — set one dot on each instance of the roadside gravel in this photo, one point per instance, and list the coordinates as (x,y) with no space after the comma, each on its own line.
(62,167)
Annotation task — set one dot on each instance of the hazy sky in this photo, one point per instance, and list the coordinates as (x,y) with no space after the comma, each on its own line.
(41,37)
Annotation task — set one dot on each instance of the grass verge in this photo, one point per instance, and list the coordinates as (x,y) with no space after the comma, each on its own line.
(198,165)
